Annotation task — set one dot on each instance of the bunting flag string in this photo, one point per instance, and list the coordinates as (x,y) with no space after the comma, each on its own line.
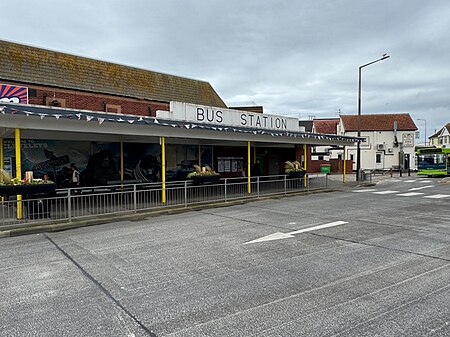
(151,120)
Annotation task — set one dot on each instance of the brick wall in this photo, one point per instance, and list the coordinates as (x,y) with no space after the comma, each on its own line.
(90,101)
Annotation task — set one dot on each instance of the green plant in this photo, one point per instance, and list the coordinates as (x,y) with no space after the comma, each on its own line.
(293,166)
(205,171)
(6,179)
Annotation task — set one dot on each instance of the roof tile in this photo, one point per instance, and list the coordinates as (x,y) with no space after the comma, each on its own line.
(33,65)
(379,122)
(328,126)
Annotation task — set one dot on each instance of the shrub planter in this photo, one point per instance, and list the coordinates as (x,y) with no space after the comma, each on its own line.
(209,179)
(297,174)
(27,190)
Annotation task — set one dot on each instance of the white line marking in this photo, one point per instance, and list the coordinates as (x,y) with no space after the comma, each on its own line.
(394,180)
(327,225)
(424,181)
(367,190)
(410,194)
(438,196)
(409,181)
(271,237)
(420,188)
(385,192)
(279,235)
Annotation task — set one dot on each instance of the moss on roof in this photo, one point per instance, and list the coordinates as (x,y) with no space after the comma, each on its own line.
(38,66)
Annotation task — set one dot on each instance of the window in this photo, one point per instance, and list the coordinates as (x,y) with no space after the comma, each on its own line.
(32,92)
(378,158)
(113,108)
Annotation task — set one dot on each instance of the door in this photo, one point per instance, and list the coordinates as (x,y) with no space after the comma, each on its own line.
(379,161)
(274,165)
(407,161)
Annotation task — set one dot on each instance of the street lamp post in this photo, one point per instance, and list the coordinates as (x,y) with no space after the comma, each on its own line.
(425,140)
(358,149)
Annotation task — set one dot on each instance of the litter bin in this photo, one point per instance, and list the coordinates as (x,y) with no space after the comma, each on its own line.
(325,168)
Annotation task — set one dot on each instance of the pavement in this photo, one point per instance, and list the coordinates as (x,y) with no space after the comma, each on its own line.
(367,261)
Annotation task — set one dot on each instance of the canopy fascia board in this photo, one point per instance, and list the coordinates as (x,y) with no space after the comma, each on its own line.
(35,119)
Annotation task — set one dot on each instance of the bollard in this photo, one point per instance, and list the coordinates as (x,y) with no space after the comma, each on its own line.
(409,172)
(400,170)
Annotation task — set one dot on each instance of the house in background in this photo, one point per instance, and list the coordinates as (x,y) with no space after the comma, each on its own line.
(331,156)
(389,140)
(441,138)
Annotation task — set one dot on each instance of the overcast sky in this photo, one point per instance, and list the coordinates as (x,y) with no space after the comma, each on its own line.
(296,58)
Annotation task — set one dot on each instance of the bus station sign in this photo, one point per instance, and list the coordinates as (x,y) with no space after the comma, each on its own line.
(228,117)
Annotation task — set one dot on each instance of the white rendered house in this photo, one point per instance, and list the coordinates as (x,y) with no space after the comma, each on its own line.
(389,140)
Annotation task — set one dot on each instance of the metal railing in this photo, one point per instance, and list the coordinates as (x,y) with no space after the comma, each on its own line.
(83,203)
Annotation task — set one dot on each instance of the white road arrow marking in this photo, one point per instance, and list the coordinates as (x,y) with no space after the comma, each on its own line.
(271,237)
(331,224)
(279,235)
(420,188)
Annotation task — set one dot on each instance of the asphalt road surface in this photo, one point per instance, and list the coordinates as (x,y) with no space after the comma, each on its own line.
(371,261)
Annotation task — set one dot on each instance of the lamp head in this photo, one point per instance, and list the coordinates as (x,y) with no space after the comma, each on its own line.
(385,56)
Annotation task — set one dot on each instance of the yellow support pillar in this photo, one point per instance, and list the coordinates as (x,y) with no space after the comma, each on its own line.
(163,169)
(199,156)
(344,177)
(18,171)
(304,164)
(249,186)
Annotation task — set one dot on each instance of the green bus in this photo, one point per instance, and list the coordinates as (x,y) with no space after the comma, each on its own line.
(433,161)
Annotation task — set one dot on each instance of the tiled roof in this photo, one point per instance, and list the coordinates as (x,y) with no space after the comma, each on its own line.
(379,122)
(328,126)
(38,66)
(447,126)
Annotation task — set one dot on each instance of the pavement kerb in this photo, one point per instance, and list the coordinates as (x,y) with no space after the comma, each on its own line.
(55,226)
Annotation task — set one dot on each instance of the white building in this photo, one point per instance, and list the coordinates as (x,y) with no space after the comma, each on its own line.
(389,140)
